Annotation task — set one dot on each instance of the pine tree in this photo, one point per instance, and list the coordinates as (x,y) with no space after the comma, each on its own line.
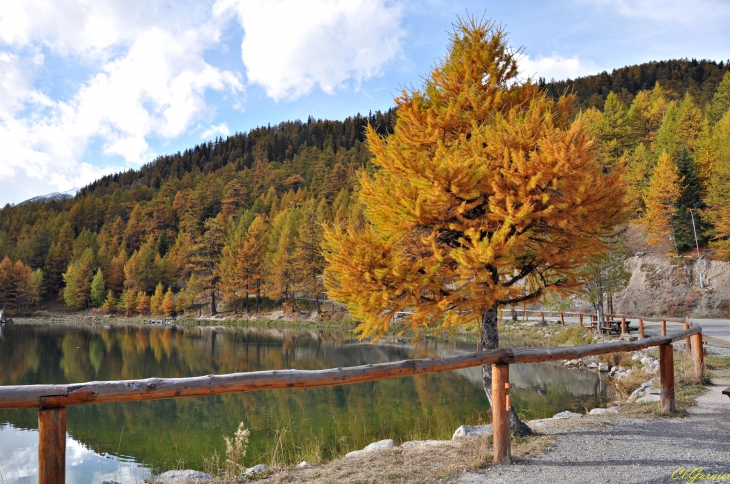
(168,303)
(251,257)
(143,303)
(78,278)
(718,193)
(98,289)
(156,299)
(660,198)
(308,259)
(110,303)
(486,194)
(7,282)
(280,260)
(690,199)
(204,259)
(720,101)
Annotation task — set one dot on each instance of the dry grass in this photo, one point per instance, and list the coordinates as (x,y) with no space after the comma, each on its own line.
(429,461)
(687,387)
(617,359)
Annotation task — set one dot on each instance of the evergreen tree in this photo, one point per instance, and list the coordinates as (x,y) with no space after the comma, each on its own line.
(720,101)
(690,199)
(205,255)
(78,278)
(251,257)
(665,188)
(718,193)
(308,259)
(168,303)
(143,303)
(486,194)
(156,299)
(110,302)
(98,289)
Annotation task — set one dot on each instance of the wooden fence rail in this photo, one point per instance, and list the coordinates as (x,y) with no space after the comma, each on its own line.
(52,400)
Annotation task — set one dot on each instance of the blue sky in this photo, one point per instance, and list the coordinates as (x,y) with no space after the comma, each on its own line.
(89,87)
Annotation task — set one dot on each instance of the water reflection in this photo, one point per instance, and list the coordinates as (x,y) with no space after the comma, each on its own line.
(167,434)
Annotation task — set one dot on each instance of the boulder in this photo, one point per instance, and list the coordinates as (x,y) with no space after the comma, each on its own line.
(381,444)
(649,398)
(187,476)
(603,411)
(305,465)
(592,366)
(640,392)
(567,414)
(604,367)
(472,431)
(257,469)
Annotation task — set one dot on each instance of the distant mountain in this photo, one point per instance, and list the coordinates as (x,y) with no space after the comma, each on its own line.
(677,77)
(51,197)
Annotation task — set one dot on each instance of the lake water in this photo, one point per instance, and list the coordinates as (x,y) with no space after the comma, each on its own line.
(127,441)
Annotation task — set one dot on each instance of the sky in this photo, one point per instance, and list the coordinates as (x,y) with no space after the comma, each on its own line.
(91,87)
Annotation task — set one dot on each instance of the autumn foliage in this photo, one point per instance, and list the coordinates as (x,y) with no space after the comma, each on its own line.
(486,193)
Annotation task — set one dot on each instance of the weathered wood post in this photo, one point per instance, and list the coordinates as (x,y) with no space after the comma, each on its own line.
(698,354)
(542,317)
(666,374)
(524,309)
(623,324)
(641,328)
(562,319)
(580,319)
(664,328)
(52,445)
(687,343)
(500,413)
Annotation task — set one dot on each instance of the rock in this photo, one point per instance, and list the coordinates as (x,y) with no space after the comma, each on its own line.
(186,476)
(381,444)
(636,357)
(639,254)
(592,366)
(472,431)
(649,398)
(257,469)
(628,337)
(641,391)
(305,465)
(567,414)
(604,367)
(603,411)
(107,482)
(410,443)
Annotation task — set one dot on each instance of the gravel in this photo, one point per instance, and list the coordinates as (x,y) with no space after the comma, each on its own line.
(621,450)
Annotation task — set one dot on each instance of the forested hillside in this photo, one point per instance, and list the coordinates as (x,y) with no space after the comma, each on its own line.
(228,222)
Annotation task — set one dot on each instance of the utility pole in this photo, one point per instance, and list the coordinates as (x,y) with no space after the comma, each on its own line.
(697,244)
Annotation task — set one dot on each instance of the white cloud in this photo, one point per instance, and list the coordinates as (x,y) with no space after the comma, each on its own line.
(147,76)
(290,46)
(694,13)
(216,129)
(555,67)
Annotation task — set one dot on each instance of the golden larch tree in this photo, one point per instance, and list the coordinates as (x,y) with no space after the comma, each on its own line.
(664,189)
(486,193)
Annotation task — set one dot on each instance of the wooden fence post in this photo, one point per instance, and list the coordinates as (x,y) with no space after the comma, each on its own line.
(666,374)
(664,328)
(52,445)
(580,319)
(524,308)
(687,343)
(623,324)
(641,328)
(500,413)
(698,354)
(562,319)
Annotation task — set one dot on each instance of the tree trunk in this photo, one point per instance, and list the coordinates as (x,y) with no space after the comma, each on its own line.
(247,311)
(490,341)
(213,311)
(316,301)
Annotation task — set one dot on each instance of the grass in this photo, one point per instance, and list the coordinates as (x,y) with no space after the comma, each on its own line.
(547,336)
(687,387)
(717,362)
(425,462)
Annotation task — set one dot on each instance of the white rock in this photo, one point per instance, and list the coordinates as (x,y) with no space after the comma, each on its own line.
(567,414)
(636,357)
(604,367)
(472,431)
(592,366)
(649,398)
(257,469)
(603,411)
(186,476)
(305,465)
(410,443)
(641,391)
(381,444)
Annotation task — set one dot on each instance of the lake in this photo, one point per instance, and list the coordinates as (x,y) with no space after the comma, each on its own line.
(127,441)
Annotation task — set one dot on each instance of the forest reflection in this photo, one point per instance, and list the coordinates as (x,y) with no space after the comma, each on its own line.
(321,422)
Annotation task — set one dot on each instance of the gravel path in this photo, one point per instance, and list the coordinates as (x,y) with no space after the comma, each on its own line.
(621,450)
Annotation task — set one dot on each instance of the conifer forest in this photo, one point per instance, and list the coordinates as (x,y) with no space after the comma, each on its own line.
(234,224)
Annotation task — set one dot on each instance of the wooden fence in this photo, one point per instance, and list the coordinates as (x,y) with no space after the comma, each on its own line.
(52,400)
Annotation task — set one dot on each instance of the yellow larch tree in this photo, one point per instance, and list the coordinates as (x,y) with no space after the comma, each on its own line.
(664,189)
(486,194)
